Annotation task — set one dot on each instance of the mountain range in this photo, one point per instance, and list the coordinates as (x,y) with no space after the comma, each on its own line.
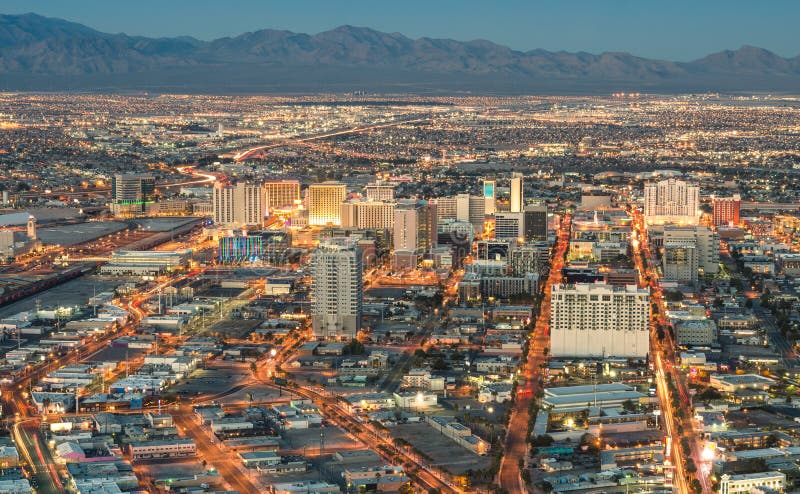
(40,53)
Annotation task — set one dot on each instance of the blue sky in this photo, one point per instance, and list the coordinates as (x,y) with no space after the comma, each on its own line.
(668,29)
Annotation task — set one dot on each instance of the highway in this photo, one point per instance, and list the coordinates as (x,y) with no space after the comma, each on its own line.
(516,446)
(247,153)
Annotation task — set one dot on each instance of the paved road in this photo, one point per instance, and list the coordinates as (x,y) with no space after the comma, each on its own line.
(213,453)
(516,447)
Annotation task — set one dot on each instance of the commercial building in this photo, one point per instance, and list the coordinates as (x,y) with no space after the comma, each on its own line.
(415,228)
(726,210)
(509,226)
(459,433)
(600,395)
(696,332)
(517,199)
(131,194)
(166,448)
(599,320)
(237,206)
(267,246)
(304,487)
(462,208)
(535,223)
(596,199)
(750,482)
(689,251)
(379,192)
(281,194)
(336,275)
(730,383)
(367,214)
(529,258)
(414,400)
(145,262)
(489,197)
(671,201)
(493,250)
(324,203)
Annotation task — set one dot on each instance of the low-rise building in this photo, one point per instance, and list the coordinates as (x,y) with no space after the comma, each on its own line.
(166,448)
(731,383)
(742,484)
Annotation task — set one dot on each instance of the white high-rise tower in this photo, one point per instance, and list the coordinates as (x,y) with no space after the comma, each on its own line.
(517,201)
(336,276)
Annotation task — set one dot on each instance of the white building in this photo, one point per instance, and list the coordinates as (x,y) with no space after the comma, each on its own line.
(489,197)
(367,214)
(596,320)
(671,201)
(742,484)
(415,400)
(509,226)
(324,203)
(239,205)
(336,289)
(517,200)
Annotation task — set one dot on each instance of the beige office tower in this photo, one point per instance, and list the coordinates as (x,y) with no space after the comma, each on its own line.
(324,203)
(238,206)
(281,194)
(367,214)
(517,201)
(336,277)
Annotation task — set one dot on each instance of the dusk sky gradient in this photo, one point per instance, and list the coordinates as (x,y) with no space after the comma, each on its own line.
(674,30)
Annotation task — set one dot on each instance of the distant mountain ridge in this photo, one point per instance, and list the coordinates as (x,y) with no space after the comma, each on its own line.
(40,53)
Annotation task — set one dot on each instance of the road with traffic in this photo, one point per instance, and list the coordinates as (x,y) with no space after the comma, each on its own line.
(516,446)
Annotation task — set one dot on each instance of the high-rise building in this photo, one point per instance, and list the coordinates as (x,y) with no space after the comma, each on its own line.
(599,320)
(281,194)
(324,203)
(462,207)
(679,261)
(367,214)
(336,276)
(492,250)
(238,206)
(529,258)
(379,192)
(517,200)
(671,201)
(509,226)
(535,223)
(688,251)
(31,229)
(130,195)
(726,210)
(415,227)
(489,197)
